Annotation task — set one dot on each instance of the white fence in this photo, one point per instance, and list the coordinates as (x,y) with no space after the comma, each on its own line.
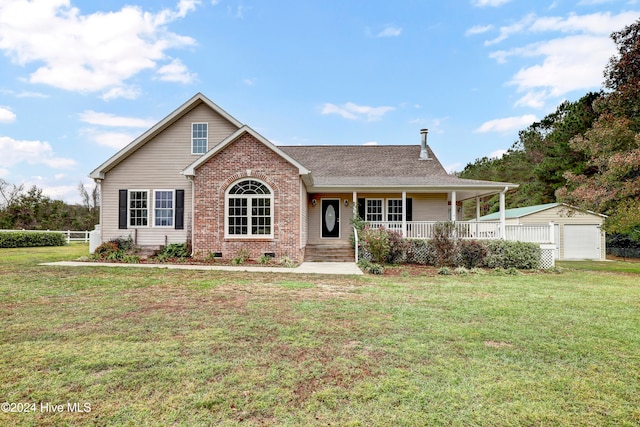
(542,233)
(71,235)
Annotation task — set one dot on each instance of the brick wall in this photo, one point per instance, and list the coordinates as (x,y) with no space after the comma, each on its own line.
(247,157)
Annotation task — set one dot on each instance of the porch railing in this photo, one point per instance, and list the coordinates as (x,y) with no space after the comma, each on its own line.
(473,230)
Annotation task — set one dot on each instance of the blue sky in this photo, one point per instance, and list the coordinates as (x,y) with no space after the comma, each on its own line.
(81,79)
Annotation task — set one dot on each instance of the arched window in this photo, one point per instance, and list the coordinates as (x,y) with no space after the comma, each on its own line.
(249,210)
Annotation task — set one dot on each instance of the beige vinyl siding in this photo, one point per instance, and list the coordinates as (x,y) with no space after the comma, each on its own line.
(426,207)
(158,165)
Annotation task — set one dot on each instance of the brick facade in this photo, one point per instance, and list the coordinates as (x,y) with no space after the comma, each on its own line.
(246,157)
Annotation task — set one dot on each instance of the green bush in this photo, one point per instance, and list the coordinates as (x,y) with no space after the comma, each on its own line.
(444,244)
(472,253)
(370,267)
(22,239)
(376,241)
(175,250)
(507,254)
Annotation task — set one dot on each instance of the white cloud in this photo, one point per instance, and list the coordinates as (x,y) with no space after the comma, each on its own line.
(249,82)
(96,52)
(478,29)
(13,151)
(490,3)
(390,31)
(113,139)
(176,72)
(453,167)
(353,111)
(106,119)
(6,115)
(497,154)
(508,124)
(371,143)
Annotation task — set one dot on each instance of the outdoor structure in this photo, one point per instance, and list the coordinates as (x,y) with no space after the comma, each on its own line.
(200,175)
(577,234)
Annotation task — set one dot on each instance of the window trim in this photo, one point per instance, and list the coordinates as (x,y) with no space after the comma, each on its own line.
(249,198)
(135,190)
(388,214)
(173,207)
(366,209)
(206,138)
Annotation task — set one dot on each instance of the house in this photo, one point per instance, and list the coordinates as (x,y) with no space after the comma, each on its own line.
(577,233)
(202,176)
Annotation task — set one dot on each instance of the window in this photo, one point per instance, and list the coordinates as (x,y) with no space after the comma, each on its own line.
(249,210)
(163,213)
(374,211)
(199,138)
(138,208)
(394,210)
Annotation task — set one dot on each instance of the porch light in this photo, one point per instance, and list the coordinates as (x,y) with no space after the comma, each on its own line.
(313,202)
(346,202)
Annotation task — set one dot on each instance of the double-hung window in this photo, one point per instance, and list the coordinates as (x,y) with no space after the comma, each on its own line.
(138,208)
(394,210)
(375,210)
(164,205)
(249,210)
(199,138)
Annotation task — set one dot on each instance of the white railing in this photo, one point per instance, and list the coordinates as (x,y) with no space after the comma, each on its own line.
(71,235)
(473,230)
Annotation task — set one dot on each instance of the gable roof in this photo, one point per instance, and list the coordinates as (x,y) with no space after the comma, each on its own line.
(192,103)
(191,169)
(528,210)
(362,167)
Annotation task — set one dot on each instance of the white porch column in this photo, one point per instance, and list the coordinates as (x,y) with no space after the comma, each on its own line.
(355,204)
(477,216)
(404,214)
(503,228)
(453,206)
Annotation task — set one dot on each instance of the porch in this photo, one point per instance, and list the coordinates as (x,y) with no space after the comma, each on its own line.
(485,230)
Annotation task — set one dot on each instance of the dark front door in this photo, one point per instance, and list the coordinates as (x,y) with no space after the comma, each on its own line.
(330,218)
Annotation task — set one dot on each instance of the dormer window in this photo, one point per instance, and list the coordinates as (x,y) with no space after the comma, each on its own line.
(199,138)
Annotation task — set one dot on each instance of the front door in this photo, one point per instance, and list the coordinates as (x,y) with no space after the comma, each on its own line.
(331,218)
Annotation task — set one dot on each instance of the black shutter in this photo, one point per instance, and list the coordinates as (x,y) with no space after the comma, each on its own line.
(179,210)
(409,210)
(362,208)
(122,209)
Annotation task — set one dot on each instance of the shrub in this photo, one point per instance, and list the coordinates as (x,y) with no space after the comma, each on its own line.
(265,259)
(462,271)
(376,241)
(21,239)
(175,250)
(370,267)
(444,244)
(285,261)
(398,248)
(472,253)
(508,254)
(241,257)
(445,271)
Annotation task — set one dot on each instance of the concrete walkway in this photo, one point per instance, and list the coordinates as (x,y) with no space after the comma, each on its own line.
(345,268)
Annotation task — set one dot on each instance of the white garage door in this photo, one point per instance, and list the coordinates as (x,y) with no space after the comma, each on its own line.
(581,242)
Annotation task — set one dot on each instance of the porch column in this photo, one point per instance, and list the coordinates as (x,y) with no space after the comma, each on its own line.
(477,215)
(453,206)
(404,214)
(355,204)
(503,229)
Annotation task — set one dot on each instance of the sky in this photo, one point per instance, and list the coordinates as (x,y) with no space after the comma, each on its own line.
(80,79)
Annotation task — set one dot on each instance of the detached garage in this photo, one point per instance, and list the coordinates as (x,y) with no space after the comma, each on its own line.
(578,233)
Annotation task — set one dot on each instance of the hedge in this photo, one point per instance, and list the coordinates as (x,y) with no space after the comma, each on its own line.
(20,239)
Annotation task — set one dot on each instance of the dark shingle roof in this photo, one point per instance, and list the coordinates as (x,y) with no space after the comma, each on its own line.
(373,165)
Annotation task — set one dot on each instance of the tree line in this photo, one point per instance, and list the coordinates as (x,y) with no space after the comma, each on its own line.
(30,209)
(586,153)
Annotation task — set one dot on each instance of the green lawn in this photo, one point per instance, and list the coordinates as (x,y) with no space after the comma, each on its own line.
(159,347)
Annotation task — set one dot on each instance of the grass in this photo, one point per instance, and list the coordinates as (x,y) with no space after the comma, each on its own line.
(610,266)
(167,347)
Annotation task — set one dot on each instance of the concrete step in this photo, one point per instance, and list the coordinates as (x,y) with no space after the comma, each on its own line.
(329,253)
